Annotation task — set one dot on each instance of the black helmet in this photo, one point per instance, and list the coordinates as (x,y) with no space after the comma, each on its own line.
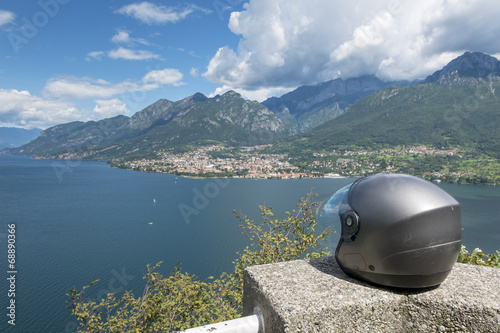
(397,230)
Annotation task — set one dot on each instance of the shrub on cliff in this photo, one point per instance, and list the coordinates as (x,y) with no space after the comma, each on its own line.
(477,257)
(181,300)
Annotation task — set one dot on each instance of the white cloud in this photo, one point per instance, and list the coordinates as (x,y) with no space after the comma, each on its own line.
(163,77)
(123,37)
(109,108)
(259,95)
(87,88)
(193,72)
(94,55)
(150,13)
(295,42)
(128,54)
(6,17)
(22,109)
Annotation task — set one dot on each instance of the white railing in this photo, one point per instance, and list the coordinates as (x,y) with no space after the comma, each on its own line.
(248,324)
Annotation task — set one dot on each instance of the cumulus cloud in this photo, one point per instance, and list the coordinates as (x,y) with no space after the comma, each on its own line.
(72,87)
(23,109)
(109,108)
(295,42)
(6,17)
(163,77)
(151,14)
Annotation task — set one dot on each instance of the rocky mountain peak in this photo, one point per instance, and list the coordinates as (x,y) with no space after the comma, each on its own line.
(475,65)
(199,97)
(151,114)
(231,93)
(196,98)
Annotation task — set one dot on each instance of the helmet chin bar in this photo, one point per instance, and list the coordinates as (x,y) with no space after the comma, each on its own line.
(398,231)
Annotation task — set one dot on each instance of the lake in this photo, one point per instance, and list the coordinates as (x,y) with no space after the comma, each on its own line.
(81,221)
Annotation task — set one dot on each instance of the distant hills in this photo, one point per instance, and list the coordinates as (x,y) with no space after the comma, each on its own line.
(11,137)
(457,105)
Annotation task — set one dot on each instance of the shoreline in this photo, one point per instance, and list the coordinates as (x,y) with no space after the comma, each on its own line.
(309,177)
(271,177)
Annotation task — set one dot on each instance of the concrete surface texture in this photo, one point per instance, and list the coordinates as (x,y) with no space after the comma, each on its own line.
(317,296)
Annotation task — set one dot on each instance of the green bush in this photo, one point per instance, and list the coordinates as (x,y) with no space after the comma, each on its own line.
(477,257)
(181,300)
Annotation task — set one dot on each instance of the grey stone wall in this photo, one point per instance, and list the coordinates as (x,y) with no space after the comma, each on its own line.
(316,296)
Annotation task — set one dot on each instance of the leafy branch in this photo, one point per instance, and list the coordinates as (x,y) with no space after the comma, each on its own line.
(181,300)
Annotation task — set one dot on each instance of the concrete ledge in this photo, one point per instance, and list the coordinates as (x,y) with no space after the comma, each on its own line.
(316,296)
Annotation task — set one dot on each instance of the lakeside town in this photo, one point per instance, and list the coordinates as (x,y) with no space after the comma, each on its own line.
(202,162)
(251,162)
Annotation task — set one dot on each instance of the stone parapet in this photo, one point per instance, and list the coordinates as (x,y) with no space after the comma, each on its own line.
(317,296)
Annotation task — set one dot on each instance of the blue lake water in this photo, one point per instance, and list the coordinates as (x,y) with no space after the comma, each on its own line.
(81,221)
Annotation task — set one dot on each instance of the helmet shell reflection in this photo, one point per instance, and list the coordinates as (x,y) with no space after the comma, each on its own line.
(397,230)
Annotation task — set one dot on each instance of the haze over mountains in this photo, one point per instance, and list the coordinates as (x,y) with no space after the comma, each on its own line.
(457,105)
(11,137)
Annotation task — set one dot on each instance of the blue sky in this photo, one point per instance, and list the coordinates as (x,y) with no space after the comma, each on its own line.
(66,60)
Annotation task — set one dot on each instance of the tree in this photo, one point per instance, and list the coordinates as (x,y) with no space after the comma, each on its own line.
(181,300)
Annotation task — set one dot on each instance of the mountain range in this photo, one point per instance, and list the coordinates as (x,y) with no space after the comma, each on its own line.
(456,105)
(309,106)
(195,120)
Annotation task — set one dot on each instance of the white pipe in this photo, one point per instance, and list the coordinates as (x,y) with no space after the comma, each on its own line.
(249,324)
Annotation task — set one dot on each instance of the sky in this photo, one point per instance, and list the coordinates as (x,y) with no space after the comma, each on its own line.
(82,60)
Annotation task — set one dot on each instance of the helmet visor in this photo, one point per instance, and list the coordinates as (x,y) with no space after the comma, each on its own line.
(338,210)
(337,202)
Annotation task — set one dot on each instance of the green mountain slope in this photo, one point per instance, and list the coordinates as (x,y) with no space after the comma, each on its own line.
(108,131)
(196,120)
(309,106)
(226,119)
(463,113)
(156,114)
(74,134)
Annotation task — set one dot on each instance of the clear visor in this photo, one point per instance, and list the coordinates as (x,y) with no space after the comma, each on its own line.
(337,209)
(337,203)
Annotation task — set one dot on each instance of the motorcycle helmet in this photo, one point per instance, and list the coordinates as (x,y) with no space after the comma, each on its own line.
(397,230)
